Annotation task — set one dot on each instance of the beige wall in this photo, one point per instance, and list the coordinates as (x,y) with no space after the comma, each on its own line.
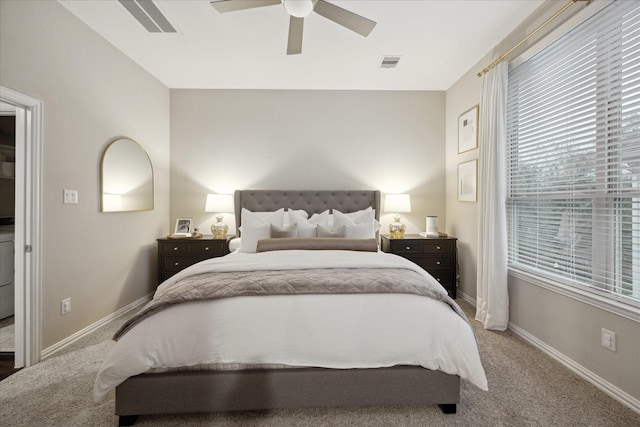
(91,93)
(568,328)
(462,216)
(222,140)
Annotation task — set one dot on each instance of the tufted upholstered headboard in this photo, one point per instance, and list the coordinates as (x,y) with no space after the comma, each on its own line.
(311,201)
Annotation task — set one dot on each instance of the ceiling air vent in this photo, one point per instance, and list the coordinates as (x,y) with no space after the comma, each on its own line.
(389,61)
(148,14)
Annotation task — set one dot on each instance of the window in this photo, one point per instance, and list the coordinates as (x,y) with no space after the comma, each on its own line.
(573,157)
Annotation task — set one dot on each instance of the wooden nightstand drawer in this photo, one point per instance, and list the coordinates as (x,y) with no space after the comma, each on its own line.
(209,249)
(176,264)
(407,247)
(444,246)
(175,248)
(445,277)
(429,263)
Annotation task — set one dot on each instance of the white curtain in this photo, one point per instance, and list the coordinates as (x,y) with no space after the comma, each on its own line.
(492,295)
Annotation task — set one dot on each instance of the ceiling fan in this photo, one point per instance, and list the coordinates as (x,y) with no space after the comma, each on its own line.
(299,9)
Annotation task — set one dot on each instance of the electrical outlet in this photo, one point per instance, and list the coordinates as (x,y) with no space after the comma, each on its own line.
(65,306)
(609,339)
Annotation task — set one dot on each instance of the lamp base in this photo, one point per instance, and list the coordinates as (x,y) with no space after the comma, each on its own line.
(397,229)
(219,229)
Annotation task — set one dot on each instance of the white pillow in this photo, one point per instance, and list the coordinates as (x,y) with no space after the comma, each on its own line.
(257,226)
(359,230)
(234,244)
(290,212)
(321,218)
(306,228)
(328,232)
(364,216)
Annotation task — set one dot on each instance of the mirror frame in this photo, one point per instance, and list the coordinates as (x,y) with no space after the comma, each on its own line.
(102,175)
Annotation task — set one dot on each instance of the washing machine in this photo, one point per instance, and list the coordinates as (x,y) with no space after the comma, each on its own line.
(6,271)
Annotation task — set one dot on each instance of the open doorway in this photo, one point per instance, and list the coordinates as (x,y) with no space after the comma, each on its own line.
(7,232)
(27,224)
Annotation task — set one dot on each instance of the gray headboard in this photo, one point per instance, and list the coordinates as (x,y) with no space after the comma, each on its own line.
(311,201)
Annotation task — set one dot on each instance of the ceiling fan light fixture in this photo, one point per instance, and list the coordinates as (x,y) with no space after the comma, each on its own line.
(299,8)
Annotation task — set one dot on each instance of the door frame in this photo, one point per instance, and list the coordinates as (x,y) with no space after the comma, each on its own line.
(28,226)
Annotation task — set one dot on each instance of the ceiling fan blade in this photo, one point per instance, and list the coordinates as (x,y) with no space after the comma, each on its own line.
(233,5)
(294,46)
(350,20)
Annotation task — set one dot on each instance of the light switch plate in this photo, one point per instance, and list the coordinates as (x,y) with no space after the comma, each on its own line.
(70,197)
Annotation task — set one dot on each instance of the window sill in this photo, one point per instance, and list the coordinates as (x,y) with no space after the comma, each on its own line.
(614,306)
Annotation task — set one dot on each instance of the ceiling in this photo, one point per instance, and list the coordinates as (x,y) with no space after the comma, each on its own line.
(438,42)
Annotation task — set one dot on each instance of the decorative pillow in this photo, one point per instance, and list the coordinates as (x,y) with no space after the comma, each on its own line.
(257,226)
(234,244)
(321,218)
(364,216)
(325,231)
(360,230)
(288,220)
(282,232)
(376,224)
(366,245)
(305,227)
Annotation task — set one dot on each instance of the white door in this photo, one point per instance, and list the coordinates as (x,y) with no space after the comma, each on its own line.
(28,281)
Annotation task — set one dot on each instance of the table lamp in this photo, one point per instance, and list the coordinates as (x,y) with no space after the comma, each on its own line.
(220,204)
(397,203)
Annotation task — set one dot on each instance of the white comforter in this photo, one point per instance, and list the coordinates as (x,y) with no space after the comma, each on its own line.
(329,331)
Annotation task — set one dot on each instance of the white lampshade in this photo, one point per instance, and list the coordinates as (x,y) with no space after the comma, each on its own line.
(299,8)
(219,203)
(397,203)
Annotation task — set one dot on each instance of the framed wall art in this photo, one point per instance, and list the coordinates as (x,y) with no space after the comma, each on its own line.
(468,130)
(468,181)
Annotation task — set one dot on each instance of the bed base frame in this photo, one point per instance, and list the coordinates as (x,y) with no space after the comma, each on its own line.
(210,391)
(256,389)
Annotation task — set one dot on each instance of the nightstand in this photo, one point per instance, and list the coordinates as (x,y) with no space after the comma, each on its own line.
(175,255)
(436,255)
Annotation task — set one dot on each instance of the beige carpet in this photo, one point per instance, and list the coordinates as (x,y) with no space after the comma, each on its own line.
(526,389)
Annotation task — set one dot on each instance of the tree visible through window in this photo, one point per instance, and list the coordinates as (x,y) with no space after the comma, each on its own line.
(573,160)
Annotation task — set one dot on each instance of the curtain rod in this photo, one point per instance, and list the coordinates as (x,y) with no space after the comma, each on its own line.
(504,55)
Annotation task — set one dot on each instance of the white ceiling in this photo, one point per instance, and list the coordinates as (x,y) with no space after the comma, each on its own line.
(438,40)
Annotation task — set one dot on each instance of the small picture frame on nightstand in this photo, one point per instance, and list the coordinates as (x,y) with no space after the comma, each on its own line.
(184,227)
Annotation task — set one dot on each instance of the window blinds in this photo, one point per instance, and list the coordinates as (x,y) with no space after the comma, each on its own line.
(573,156)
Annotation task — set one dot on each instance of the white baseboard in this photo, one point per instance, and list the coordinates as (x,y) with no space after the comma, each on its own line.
(80,334)
(610,389)
(466,297)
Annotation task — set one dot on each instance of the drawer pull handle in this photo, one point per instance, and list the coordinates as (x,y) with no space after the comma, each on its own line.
(408,248)
(438,247)
(438,262)
(438,279)
(176,264)
(175,248)
(207,248)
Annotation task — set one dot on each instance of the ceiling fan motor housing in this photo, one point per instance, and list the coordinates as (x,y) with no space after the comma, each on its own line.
(299,8)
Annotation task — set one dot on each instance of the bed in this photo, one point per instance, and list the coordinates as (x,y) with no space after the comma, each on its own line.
(288,358)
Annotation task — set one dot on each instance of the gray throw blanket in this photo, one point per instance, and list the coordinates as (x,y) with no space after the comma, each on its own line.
(217,285)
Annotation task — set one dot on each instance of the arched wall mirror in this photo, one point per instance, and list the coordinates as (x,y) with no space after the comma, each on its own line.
(127,177)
